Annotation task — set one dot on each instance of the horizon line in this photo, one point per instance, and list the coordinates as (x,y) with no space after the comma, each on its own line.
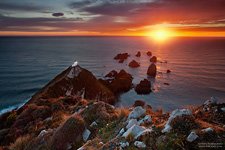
(187,36)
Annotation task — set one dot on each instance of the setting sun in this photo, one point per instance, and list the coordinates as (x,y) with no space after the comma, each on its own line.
(161,35)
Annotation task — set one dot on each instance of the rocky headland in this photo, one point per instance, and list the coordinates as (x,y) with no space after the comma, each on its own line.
(76,111)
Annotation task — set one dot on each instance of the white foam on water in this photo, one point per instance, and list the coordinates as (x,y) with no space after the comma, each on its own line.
(10,108)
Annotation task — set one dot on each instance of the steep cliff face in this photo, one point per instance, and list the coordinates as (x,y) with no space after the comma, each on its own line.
(75,81)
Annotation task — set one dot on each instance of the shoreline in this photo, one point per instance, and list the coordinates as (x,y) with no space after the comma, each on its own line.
(75,110)
(76,99)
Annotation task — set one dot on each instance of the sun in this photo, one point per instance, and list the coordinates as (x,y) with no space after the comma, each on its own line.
(161,34)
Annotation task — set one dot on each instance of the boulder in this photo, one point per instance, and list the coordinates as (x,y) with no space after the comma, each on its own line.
(121,61)
(168,71)
(223,109)
(134,131)
(124,144)
(134,64)
(93,124)
(211,101)
(149,53)
(139,144)
(153,59)
(143,134)
(69,134)
(173,115)
(121,57)
(136,113)
(207,130)
(144,87)
(139,103)
(152,70)
(138,54)
(121,132)
(86,134)
(131,123)
(99,112)
(147,119)
(192,137)
(165,83)
(111,74)
(121,83)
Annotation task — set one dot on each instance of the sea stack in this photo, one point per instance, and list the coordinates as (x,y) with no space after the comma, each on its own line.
(152,70)
(138,54)
(153,59)
(144,87)
(134,64)
(149,53)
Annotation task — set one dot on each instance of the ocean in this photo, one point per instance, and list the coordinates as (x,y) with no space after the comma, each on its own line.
(197,65)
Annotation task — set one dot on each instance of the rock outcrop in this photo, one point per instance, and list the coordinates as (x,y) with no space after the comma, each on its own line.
(152,70)
(111,74)
(168,71)
(173,115)
(75,81)
(122,82)
(99,112)
(70,134)
(149,53)
(138,54)
(144,87)
(139,103)
(134,64)
(153,59)
(121,57)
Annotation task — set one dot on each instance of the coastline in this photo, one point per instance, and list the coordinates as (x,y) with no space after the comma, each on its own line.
(77,106)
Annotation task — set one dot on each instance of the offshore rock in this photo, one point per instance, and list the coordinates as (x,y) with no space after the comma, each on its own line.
(152,70)
(134,64)
(144,87)
(138,54)
(153,59)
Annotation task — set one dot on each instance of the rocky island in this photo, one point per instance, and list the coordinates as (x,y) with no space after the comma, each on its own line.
(76,111)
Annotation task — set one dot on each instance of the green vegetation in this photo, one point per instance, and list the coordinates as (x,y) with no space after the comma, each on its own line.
(170,141)
(110,130)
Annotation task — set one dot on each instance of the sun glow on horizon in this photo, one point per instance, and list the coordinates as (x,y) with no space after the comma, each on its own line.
(161,34)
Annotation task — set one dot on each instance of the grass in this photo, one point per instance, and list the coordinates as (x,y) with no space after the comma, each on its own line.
(183,124)
(110,130)
(20,143)
(11,118)
(172,141)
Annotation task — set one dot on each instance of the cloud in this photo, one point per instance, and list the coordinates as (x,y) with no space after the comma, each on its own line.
(59,14)
(80,4)
(13,23)
(161,10)
(109,16)
(19,7)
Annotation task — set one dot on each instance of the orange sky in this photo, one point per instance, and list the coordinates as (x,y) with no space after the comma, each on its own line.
(204,18)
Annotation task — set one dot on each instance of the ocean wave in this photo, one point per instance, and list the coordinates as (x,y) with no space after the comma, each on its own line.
(14,107)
